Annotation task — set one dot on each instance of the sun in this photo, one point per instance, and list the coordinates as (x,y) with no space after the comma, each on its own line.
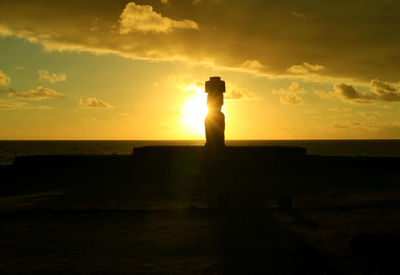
(194,110)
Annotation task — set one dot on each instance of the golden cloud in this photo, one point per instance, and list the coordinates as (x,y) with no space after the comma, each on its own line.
(52,78)
(11,105)
(294,88)
(171,32)
(305,68)
(291,99)
(142,18)
(92,102)
(290,95)
(4,79)
(36,94)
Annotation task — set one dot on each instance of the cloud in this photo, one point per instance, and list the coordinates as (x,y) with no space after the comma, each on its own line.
(91,120)
(294,88)
(380,90)
(4,79)
(254,65)
(37,94)
(234,92)
(52,78)
(298,15)
(384,90)
(365,115)
(339,109)
(291,99)
(370,115)
(186,82)
(14,105)
(391,130)
(11,105)
(92,102)
(121,116)
(305,68)
(341,125)
(142,18)
(164,2)
(367,128)
(222,41)
(6,91)
(289,95)
(322,94)
(311,112)
(350,94)
(44,107)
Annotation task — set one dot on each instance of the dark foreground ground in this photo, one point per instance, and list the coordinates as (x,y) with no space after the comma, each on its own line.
(273,212)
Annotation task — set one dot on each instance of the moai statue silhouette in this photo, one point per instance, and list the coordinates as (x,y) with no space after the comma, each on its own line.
(215,120)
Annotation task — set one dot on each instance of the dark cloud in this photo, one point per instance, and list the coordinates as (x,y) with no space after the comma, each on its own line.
(348,38)
(384,90)
(380,91)
(350,94)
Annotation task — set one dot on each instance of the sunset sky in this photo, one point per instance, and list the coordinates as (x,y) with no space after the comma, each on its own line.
(75,69)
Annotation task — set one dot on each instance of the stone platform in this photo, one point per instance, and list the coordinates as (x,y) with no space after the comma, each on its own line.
(191,175)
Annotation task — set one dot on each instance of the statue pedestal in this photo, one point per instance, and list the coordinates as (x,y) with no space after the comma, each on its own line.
(225,177)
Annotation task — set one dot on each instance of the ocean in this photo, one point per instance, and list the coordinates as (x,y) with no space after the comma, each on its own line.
(10,149)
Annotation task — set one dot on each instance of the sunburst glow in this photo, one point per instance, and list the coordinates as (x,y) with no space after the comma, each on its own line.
(194,110)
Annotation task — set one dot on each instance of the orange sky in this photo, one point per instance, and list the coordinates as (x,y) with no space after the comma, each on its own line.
(136,70)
